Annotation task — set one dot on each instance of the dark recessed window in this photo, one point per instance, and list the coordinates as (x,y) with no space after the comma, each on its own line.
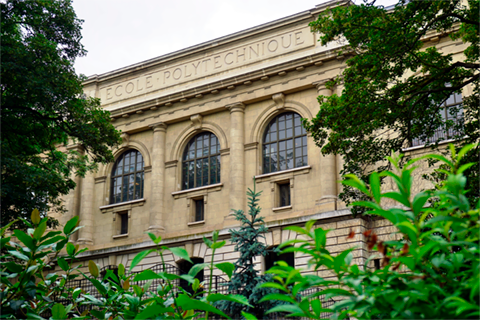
(123,223)
(127,177)
(185,267)
(199,209)
(201,161)
(376,263)
(284,193)
(284,143)
(273,256)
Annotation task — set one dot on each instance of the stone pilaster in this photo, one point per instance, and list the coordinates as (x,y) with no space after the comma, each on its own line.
(73,208)
(237,156)
(85,234)
(340,204)
(157,206)
(328,167)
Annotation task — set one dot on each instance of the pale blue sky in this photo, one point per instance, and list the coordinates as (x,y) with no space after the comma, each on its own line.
(118,33)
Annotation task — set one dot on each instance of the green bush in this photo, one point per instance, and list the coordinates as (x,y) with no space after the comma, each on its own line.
(26,293)
(432,273)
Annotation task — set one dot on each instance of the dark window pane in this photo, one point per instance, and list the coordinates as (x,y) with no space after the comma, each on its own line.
(450,100)
(281,125)
(125,189)
(289,124)
(272,257)
(297,120)
(282,146)
(124,223)
(284,194)
(298,131)
(273,136)
(199,210)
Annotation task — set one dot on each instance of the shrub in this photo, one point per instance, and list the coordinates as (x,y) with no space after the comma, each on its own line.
(432,273)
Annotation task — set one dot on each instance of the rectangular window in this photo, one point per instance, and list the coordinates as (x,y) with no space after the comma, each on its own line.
(199,209)
(123,223)
(284,194)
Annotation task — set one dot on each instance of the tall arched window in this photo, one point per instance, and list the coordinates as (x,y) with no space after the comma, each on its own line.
(201,161)
(284,143)
(127,177)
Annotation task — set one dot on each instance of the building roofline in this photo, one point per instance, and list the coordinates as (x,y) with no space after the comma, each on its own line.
(216,42)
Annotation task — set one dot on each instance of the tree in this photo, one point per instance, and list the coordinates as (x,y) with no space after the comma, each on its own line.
(430,273)
(395,83)
(245,278)
(43,108)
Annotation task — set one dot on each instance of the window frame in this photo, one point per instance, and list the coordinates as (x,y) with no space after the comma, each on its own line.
(267,141)
(210,157)
(114,176)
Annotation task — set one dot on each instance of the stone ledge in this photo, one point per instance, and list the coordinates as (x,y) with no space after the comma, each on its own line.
(286,173)
(122,205)
(282,208)
(199,190)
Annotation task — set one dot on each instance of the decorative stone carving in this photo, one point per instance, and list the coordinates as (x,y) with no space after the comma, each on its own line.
(197,121)
(125,139)
(279,99)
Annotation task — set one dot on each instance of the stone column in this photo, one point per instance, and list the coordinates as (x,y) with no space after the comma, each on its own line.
(340,162)
(328,168)
(237,156)
(85,234)
(157,178)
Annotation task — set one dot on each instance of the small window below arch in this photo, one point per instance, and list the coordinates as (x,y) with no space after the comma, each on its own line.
(127,177)
(284,143)
(201,161)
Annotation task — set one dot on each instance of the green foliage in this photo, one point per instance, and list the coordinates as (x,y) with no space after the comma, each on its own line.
(394,84)
(43,107)
(245,280)
(123,301)
(432,273)
(27,291)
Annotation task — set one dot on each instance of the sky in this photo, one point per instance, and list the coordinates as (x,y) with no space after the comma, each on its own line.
(118,33)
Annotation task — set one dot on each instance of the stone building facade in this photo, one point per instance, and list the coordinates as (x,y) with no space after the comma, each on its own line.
(198,125)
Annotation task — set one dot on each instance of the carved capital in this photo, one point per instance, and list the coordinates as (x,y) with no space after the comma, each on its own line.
(125,139)
(197,121)
(321,85)
(236,107)
(159,126)
(279,99)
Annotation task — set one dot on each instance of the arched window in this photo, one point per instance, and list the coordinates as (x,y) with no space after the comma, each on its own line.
(127,177)
(284,143)
(201,161)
